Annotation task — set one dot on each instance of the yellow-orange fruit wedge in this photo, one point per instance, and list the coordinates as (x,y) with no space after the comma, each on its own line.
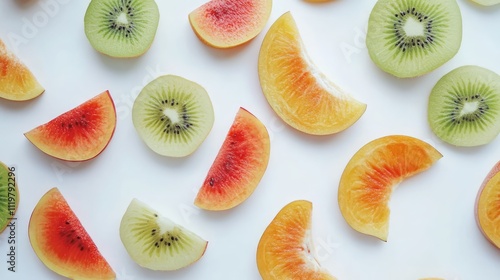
(372,174)
(17,83)
(487,208)
(286,250)
(296,90)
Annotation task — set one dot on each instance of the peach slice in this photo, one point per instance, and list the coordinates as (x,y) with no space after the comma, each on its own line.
(230,23)
(286,250)
(373,173)
(239,166)
(487,208)
(17,83)
(296,90)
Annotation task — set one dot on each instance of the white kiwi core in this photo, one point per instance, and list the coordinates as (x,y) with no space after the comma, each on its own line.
(469,108)
(413,28)
(172,114)
(122,19)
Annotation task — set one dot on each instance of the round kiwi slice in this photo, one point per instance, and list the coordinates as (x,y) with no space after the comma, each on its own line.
(121,28)
(464,106)
(408,38)
(173,115)
(156,242)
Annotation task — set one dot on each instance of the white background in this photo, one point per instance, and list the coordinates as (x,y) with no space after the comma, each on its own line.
(432,231)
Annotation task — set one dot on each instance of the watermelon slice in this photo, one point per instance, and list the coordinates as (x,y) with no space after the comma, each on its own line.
(79,134)
(17,83)
(239,165)
(62,243)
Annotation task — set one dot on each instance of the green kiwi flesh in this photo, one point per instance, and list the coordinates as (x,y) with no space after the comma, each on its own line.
(9,196)
(121,28)
(173,116)
(464,106)
(486,2)
(157,243)
(409,38)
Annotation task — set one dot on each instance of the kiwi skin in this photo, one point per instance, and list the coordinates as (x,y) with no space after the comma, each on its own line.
(464,106)
(121,40)
(405,56)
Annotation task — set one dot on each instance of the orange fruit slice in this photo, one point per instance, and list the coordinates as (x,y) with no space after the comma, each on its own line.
(286,250)
(296,90)
(17,83)
(372,174)
(487,210)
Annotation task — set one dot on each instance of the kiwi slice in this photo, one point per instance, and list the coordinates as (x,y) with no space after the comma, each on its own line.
(121,28)
(408,38)
(486,2)
(9,196)
(173,115)
(464,106)
(156,242)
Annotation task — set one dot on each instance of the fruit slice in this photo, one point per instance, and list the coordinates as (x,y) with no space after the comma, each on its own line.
(155,242)
(286,249)
(9,195)
(79,134)
(486,2)
(464,106)
(302,96)
(239,166)
(371,176)
(487,208)
(173,116)
(17,83)
(408,38)
(229,23)
(121,28)
(62,243)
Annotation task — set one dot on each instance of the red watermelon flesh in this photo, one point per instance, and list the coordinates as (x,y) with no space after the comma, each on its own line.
(229,23)
(62,243)
(79,134)
(239,165)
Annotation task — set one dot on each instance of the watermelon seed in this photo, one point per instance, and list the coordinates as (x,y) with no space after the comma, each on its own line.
(211,182)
